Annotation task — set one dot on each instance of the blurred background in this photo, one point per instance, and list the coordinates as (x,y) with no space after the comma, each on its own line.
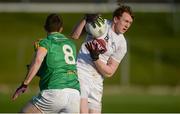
(148,78)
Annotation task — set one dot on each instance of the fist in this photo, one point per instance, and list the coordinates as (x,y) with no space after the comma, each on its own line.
(91,17)
(100,44)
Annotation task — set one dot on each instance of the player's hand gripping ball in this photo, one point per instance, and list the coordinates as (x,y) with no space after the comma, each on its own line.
(96,47)
(95,25)
(91,17)
(101,45)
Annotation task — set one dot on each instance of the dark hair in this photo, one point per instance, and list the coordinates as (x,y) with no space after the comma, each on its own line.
(121,9)
(53,23)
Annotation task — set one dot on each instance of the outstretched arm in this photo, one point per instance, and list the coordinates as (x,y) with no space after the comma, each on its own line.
(35,64)
(34,67)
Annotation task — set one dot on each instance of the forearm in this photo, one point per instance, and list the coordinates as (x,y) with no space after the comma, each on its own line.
(34,67)
(76,32)
(105,69)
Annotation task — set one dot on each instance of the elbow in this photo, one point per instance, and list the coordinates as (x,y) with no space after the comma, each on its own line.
(38,61)
(108,74)
(74,36)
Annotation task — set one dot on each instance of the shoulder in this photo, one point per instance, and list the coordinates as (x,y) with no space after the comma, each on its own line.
(122,44)
(45,40)
(36,43)
(45,43)
(121,40)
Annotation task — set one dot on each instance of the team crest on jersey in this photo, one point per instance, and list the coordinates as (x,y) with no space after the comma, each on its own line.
(106,38)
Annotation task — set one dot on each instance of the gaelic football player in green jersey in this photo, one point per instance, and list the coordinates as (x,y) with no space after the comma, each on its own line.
(55,64)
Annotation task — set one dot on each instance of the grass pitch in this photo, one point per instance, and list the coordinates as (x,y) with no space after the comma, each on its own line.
(116,99)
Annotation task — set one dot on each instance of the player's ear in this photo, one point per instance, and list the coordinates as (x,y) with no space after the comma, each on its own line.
(61,29)
(115,19)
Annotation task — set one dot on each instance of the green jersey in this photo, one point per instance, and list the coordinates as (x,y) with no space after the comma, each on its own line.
(58,69)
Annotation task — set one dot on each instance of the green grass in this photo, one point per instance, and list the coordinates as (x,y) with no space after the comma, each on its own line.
(9,106)
(141,104)
(116,99)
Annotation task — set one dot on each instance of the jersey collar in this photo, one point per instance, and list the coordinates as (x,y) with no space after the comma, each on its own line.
(56,35)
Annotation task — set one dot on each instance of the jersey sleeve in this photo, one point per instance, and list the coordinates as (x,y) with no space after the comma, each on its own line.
(36,44)
(44,43)
(120,53)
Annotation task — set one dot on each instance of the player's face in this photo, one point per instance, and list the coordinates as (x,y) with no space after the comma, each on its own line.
(123,23)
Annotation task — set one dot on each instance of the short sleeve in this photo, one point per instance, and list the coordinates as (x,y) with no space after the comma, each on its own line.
(44,43)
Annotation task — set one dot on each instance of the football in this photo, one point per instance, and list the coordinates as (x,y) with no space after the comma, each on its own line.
(97,28)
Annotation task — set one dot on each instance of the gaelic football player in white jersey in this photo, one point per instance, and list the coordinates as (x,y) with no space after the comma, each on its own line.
(93,66)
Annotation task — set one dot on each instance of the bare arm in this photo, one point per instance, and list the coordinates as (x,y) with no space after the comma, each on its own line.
(35,65)
(107,70)
(76,32)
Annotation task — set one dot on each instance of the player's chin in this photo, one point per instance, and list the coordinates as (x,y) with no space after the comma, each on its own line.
(123,31)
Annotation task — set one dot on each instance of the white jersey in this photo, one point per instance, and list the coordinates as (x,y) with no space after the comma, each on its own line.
(116,48)
(91,81)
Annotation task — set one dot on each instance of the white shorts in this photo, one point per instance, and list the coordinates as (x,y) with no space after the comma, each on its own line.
(58,100)
(91,90)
